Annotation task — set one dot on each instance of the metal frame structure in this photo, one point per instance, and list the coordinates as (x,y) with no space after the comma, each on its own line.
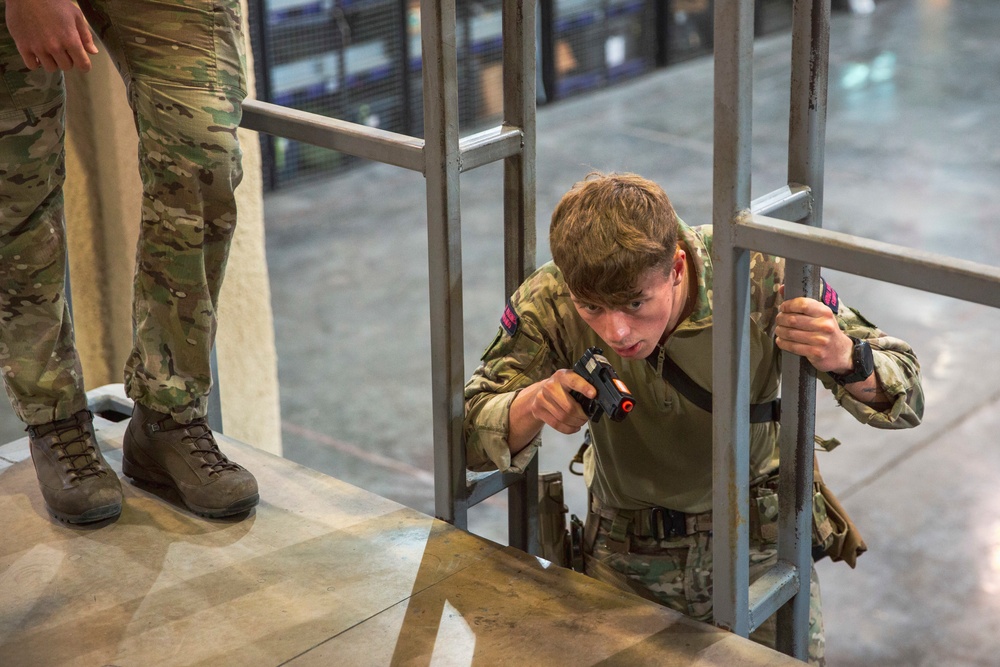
(442,156)
(786,223)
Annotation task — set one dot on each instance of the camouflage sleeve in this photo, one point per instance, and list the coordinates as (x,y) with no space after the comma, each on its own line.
(767,273)
(896,365)
(517,357)
(896,368)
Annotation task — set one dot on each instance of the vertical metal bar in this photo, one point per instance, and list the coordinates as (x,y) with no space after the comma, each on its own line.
(441,136)
(731,341)
(522,511)
(798,381)
(519,218)
(809,82)
(519,170)
(806,137)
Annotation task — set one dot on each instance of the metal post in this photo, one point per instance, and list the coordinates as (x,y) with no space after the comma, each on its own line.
(806,137)
(519,218)
(441,169)
(731,340)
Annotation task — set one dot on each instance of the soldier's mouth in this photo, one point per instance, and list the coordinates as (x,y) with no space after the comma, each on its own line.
(629,351)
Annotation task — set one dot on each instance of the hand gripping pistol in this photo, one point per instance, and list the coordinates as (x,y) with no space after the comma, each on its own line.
(613,396)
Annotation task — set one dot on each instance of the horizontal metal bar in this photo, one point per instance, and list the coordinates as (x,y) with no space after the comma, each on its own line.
(339,135)
(490,145)
(930,272)
(773,589)
(791,202)
(482,485)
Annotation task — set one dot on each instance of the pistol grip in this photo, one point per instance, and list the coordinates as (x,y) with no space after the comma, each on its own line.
(591,408)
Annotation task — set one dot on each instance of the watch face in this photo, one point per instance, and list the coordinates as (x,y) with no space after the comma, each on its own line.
(864,364)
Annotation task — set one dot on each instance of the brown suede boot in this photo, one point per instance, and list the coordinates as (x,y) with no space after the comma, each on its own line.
(76,482)
(159,450)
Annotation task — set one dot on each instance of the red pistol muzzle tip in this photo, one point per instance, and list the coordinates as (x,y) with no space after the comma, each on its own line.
(627,406)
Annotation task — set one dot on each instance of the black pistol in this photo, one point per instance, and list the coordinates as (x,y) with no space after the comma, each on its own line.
(613,396)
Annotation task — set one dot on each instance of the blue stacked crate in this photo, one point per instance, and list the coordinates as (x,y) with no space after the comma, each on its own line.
(414,69)
(480,86)
(588,44)
(467,102)
(298,62)
(630,38)
(373,92)
(337,58)
(772,16)
(686,29)
(576,47)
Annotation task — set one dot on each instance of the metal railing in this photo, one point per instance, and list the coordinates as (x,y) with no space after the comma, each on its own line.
(741,226)
(442,156)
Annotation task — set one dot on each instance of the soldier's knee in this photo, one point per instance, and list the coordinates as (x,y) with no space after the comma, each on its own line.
(191,160)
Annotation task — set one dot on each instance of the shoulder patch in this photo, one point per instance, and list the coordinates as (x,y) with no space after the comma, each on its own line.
(509,321)
(829,297)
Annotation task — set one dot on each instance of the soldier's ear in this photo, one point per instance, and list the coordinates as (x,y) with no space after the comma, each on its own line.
(680,265)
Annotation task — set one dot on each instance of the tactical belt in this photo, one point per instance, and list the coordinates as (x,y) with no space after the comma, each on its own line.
(656,522)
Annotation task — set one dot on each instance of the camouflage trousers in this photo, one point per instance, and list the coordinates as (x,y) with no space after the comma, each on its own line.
(183,64)
(677,573)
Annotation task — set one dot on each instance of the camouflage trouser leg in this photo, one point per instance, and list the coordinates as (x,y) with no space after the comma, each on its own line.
(38,358)
(183,64)
(678,573)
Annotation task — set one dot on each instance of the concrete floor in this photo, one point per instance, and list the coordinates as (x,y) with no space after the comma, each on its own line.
(913,157)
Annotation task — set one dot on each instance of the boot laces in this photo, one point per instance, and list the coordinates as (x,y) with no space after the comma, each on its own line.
(199,436)
(76,449)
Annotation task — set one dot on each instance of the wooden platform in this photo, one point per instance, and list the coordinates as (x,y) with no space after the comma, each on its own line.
(321,573)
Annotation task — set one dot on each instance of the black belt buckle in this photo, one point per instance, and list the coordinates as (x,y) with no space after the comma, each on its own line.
(668,523)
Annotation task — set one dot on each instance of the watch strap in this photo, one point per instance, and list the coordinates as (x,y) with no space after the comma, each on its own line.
(861,356)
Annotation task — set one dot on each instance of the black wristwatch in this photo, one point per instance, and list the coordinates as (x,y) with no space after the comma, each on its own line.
(864,364)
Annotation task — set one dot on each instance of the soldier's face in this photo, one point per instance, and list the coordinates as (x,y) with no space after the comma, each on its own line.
(634,331)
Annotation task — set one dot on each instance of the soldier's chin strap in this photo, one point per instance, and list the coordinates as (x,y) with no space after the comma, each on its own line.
(760,413)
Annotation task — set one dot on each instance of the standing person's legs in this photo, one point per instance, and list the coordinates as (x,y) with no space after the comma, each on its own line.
(182,62)
(183,65)
(38,358)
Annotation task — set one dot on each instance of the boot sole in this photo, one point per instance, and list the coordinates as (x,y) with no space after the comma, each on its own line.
(90,516)
(155,475)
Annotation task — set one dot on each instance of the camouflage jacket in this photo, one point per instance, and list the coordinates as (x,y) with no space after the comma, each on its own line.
(661,455)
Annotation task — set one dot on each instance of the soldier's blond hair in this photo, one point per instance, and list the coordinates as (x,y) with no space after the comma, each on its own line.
(608,231)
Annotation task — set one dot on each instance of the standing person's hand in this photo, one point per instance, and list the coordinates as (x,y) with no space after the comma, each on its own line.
(50,33)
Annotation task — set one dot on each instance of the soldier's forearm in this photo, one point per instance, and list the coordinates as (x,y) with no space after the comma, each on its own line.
(522,426)
(869,391)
